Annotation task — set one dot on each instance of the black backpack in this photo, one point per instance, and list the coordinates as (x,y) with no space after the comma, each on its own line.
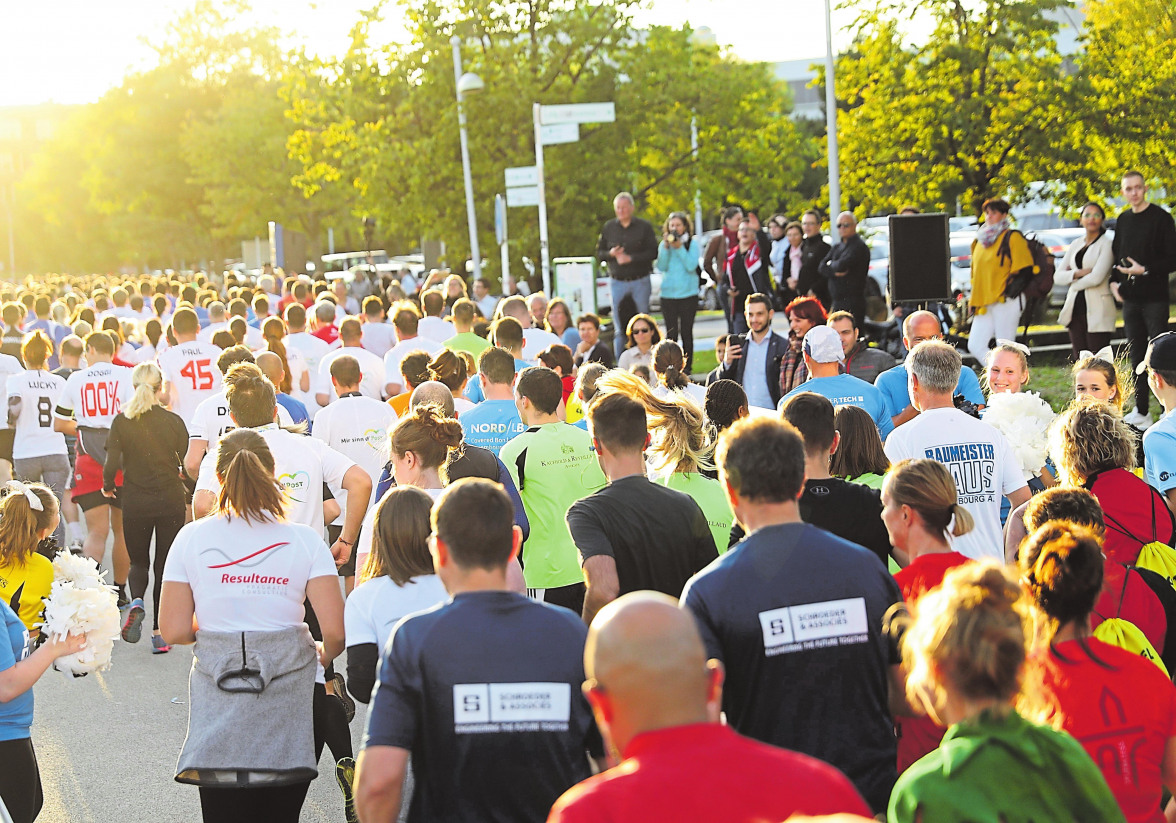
(1035,285)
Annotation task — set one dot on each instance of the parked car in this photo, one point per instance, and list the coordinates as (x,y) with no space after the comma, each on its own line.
(879,271)
(960,262)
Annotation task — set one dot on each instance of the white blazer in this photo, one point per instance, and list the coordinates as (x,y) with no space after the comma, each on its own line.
(1100,305)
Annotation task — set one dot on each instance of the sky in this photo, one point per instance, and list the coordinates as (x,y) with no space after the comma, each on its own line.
(72,51)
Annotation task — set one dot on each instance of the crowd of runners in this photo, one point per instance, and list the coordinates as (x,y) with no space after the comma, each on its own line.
(574,591)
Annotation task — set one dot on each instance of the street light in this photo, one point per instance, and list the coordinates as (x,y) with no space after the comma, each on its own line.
(467,83)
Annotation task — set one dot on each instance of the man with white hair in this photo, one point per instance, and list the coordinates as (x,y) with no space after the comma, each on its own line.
(846,268)
(217,320)
(628,246)
(980,459)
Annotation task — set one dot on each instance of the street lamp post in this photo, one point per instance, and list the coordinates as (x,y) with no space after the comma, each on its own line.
(466,84)
(831,119)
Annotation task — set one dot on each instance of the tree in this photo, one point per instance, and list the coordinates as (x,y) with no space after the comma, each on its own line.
(972,113)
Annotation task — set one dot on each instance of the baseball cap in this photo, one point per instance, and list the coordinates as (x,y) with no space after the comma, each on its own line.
(823,345)
(1161,354)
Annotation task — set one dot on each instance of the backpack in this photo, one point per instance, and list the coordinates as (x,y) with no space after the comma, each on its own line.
(1116,631)
(1035,284)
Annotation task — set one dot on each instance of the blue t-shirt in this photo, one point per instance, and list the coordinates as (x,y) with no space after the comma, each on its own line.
(1159,454)
(847,390)
(16,716)
(296,408)
(491,424)
(473,391)
(795,614)
(485,692)
(893,385)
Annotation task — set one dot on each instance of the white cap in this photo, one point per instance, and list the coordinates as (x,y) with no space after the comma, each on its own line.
(823,345)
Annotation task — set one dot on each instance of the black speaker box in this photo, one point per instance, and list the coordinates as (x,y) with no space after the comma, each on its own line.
(920,258)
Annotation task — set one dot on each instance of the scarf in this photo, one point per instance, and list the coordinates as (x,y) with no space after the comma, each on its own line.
(987,234)
(751,263)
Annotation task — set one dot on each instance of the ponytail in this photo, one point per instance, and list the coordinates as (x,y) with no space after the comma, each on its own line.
(20,521)
(273,329)
(669,364)
(147,381)
(962,522)
(681,441)
(245,467)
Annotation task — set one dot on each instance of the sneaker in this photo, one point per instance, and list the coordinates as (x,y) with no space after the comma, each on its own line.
(345,774)
(158,646)
(341,693)
(1137,419)
(132,627)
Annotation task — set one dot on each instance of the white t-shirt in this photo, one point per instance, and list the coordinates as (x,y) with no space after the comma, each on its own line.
(206,333)
(363,545)
(192,375)
(247,576)
(375,607)
(461,405)
(396,354)
(435,328)
(95,394)
(379,337)
(371,367)
(536,340)
(301,464)
(357,427)
(211,421)
(39,393)
(313,351)
(9,366)
(981,462)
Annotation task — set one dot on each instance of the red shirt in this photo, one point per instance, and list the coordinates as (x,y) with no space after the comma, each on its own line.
(1120,707)
(328,334)
(1135,603)
(569,386)
(707,773)
(919,736)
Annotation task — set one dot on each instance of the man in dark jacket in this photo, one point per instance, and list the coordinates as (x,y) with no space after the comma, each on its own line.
(813,249)
(714,259)
(628,246)
(846,268)
(753,360)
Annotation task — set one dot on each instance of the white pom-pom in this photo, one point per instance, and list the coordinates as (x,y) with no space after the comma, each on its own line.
(80,602)
(1024,419)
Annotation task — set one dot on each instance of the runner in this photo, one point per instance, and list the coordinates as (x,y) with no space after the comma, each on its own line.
(190,371)
(492,423)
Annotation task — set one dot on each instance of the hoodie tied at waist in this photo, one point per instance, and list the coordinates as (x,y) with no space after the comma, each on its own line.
(250,697)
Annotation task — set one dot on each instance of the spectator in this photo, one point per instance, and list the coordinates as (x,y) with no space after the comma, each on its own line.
(786,257)
(846,269)
(1089,312)
(558,321)
(965,655)
(860,457)
(975,453)
(657,701)
(628,246)
(998,252)
(677,260)
(537,306)
(641,335)
(813,250)
(714,259)
(590,349)
(762,349)
(720,354)
(861,360)
(746,272)
(803,313)
(633,534)
(826,499)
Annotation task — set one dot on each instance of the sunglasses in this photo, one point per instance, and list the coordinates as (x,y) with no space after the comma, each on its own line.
(643,331)
(843,225)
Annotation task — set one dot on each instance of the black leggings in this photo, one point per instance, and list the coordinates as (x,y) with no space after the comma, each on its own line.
(279,804)
(137,531)
(679,315)
(330,718)
(20,780)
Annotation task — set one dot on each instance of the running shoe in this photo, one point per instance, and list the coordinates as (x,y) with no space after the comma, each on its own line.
(345,774)
(158,646)
(341,693)
(132,627)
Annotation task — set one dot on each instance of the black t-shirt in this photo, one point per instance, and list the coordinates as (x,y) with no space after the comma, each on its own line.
(659,537)
(851,511)
(485,692)
(795,614)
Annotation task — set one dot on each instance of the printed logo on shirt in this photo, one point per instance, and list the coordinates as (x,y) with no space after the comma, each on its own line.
(814,626)
(1165,475)
(819,491)
(972,466)
(258,583)
(481,708)
(373,438)
(296,484)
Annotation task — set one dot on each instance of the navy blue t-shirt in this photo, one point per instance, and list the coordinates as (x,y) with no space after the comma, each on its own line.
(485,692)
(795,614)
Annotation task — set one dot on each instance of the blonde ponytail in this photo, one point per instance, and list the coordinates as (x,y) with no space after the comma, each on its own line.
(147,380)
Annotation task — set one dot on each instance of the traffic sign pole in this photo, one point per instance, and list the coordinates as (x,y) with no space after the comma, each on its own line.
(500,227)
(544,249)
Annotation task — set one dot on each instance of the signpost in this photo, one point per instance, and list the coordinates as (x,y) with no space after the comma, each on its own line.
(550,129)
(500,236)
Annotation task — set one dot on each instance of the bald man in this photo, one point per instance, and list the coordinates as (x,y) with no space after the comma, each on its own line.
(846,268)
(271,366)
(657,700)
(917,327)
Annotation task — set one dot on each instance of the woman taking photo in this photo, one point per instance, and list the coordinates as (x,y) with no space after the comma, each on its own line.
(677,260)
(1078,678)
(558,321)
(398,579)
(921,515)
(1089,312)
(147,444)
(998,252)
(860,457)
(964,655)
(641,336)
(243,575)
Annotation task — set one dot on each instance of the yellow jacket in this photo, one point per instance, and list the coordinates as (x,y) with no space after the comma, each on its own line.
(990,271)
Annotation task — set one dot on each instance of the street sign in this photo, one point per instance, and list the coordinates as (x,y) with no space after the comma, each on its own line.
(522,176)
(577,113)
(522,196)
(559,133)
